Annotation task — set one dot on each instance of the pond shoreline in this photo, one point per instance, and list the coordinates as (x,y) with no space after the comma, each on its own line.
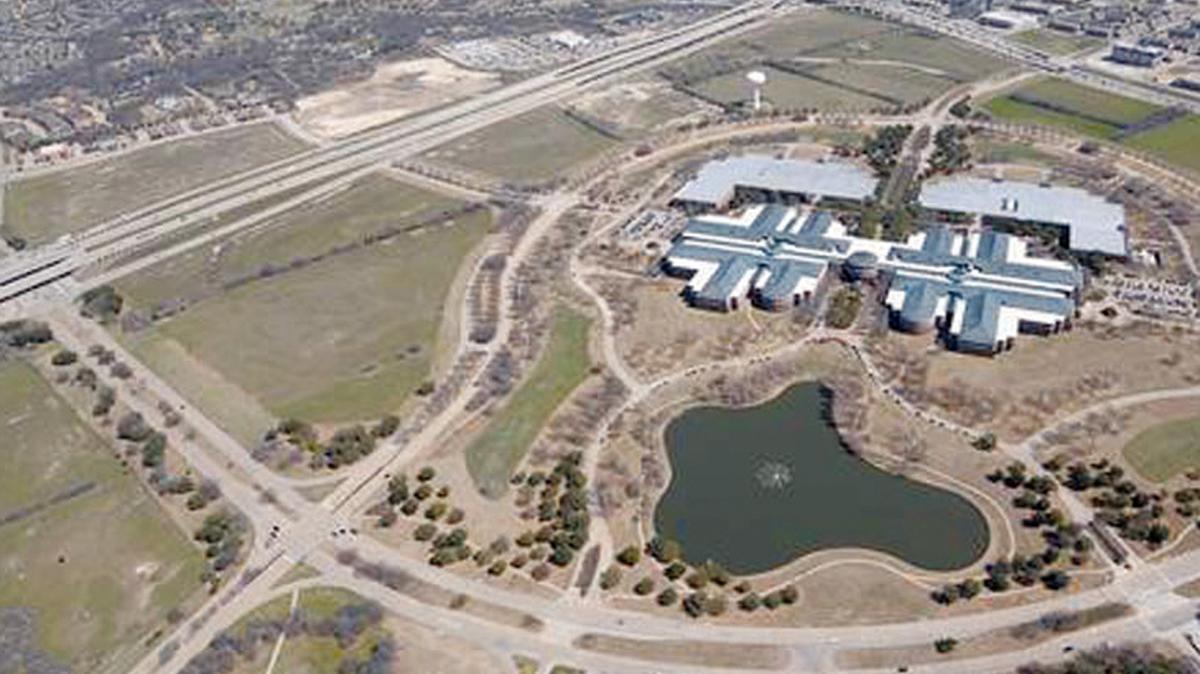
(924,479)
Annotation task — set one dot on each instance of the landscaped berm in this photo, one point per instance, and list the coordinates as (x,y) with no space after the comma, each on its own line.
(493,456)
(89,564)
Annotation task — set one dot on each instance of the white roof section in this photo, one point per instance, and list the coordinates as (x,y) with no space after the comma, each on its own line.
(716,180)
(1095,223)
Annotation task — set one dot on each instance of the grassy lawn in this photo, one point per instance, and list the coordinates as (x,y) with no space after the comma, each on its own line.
(905,85)
(1164,451)
(1001,152)
(955,60)
(787,91)
(493,456)
(45,207)
(98,571)
(1099,114)
(527,149)
(1177,142)
(1077,108)
(346,336)
(1054,42)
(1015,111)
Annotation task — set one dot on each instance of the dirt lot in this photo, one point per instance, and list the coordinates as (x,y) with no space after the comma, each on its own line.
(395,90)
(363,317)
(88,556)
(46,206)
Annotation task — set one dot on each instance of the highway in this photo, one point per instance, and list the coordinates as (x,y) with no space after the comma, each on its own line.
(21,273)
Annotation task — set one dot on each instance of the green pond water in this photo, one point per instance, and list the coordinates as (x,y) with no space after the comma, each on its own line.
(756,487)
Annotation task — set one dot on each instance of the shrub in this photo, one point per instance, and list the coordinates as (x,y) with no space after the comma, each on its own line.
(667,597)
(133,427)
(630,556)
(610,578)
(425,532)
(63,358)
(644,586)
(945,645)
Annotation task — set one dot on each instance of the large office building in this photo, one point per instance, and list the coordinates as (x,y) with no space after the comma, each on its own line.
(1143,55)
(760,179)
(1092,224)
(979,289)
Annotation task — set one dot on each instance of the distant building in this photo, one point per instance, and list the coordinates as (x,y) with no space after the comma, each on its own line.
(1001,20)
(968,9)
(979,290)
(1187,83)
(719,184)
(1091,222)
(1146,56)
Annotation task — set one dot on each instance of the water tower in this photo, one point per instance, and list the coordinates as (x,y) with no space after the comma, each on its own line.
(757,78)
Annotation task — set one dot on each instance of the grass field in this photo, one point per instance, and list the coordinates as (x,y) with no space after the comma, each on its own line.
(1167,450)
(99,570)
(418,648)
(1099,114)
(780,41)
(346,336)
(1054,42)
(1064,104)
(787,91)
(528,149)
(1177,142)
(957,60)
(43,207)
(493,456)
(858,63)
(1000,152)
(905,85)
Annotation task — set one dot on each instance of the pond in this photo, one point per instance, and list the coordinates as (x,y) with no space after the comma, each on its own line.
(754,488)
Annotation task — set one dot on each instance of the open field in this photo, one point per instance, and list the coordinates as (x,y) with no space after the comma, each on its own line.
(563,365)
(1099,114)
(855,63)
(959,61)
(530,148)
(638,106)
(362,318)
(787,91)
(782,40)
(1074,107)
(393,91)
(417,648)
(1054,42)
(97,569)
(1167,450)
(44,207)
(1177,142)
(896,83)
